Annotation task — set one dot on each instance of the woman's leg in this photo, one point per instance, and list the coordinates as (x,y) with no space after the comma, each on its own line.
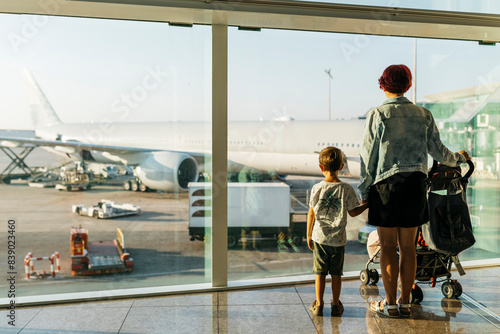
(389,261)
(407,261)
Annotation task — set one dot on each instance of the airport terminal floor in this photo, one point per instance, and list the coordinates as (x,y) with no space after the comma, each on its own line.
(273,310)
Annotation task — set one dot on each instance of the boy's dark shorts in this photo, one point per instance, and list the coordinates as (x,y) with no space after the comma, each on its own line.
(328,260)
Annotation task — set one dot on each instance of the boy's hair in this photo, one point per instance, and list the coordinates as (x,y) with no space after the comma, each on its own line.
(331,158)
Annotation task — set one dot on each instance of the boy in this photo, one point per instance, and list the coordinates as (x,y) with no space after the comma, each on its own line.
(331,200)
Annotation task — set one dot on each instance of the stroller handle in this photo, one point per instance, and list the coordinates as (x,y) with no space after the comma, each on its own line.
(470,171)
(464,178)
(433,169)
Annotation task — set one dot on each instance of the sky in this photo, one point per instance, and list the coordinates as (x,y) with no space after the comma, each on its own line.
(94,69)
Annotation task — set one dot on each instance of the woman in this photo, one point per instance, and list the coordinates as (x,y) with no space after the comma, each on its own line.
(398,137)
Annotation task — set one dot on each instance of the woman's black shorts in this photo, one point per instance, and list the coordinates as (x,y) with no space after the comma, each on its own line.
(399,201)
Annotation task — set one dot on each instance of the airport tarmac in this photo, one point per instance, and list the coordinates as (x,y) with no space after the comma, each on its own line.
(157,240)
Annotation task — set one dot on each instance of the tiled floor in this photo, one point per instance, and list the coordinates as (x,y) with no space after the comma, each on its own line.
(272,310)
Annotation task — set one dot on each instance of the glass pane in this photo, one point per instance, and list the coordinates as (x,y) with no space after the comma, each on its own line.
(465,106)
(284,86)
(140,93)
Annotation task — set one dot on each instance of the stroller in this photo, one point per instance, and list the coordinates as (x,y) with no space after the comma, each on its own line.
(439,241)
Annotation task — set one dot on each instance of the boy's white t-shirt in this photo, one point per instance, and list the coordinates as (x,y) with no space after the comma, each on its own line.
(330,202)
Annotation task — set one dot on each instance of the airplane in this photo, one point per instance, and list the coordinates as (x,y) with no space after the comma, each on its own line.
(169,155)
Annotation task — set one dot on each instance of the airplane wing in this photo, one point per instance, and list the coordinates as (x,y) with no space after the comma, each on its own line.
(75,147)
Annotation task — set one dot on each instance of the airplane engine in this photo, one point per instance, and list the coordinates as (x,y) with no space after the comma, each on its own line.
(168,171)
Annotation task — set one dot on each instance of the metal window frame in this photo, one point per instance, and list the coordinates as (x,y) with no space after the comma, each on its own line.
(278,14)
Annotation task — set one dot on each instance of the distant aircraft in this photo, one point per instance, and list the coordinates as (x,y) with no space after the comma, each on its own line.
(167,156)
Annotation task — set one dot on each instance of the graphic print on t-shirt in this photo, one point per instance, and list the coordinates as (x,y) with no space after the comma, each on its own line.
(329,201)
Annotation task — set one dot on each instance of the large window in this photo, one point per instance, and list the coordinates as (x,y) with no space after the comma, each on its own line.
(284,86)
(292,94)
(143,92)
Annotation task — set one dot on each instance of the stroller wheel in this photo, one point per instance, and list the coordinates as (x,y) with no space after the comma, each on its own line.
(416,294)
(448,290)
(364,276)
(374,276)
(458,288)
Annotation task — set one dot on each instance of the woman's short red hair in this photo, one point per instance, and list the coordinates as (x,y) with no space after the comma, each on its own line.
(396,79)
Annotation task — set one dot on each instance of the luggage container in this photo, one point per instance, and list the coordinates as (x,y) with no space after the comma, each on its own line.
(256,212)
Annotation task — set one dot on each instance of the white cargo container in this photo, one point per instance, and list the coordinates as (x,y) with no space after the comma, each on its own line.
(256,211)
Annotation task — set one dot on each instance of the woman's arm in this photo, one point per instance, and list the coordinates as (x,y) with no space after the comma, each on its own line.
(369,153)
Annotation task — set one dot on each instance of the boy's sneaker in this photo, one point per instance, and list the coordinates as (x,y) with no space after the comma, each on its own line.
(337,310)
(316,309)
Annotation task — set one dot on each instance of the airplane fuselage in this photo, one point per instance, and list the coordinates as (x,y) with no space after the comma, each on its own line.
(286,147)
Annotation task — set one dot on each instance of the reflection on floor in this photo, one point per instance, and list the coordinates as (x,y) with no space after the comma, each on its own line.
(273,310)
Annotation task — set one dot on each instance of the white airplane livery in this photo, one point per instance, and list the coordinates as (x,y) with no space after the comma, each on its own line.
(167,156)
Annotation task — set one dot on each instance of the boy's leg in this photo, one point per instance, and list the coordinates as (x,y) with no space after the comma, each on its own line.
(336,269)
(320,268)
(320,289)
(336,288)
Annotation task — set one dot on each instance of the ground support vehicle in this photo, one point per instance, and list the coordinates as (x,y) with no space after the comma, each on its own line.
(106,209)
(46,180)
(256,212)
(74,180)
(95,258)
(103,170)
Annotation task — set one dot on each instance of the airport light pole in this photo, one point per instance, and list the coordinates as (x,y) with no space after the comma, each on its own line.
(329,93)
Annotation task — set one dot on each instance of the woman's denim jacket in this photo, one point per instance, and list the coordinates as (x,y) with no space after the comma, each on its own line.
(398,137)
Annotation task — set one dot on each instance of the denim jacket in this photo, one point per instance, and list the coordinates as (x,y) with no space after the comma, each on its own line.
(398,137)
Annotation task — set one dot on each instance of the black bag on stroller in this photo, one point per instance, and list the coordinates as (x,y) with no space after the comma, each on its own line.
(449,229)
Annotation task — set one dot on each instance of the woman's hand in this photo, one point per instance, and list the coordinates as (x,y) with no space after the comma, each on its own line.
(465,154)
